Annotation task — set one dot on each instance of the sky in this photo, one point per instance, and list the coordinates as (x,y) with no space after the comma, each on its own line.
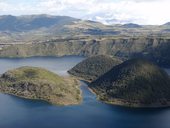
(152,12)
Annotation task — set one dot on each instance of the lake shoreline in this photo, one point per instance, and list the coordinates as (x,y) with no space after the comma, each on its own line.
(90,113)
(122,103)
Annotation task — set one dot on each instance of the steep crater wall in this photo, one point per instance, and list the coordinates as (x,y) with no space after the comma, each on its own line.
(156,49)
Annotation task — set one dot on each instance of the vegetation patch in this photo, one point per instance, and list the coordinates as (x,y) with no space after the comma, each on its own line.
(39,83)
(93,67)
(135,82)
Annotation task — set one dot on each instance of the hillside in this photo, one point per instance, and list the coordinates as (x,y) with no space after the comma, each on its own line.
(167,24)
(38,83)
(37,28)
(135,82)
(32,22)
(93,67)
(159,54)
(46,35)
(131,25)
(153,48)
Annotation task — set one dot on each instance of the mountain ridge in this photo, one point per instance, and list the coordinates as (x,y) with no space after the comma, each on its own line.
(31,22)
(49,20)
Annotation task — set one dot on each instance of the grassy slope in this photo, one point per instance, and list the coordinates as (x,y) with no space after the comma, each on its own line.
(34,73)
(38,83)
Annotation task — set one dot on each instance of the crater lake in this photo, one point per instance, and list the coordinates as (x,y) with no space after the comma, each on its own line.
(17,112)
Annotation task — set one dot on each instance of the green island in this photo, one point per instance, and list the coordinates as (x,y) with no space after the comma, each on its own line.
(41,84)
(93,67)
(134,83)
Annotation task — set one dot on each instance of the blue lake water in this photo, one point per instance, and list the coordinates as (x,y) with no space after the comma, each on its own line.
(22,113)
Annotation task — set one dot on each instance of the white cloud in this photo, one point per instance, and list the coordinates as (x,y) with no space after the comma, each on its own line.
(106,11)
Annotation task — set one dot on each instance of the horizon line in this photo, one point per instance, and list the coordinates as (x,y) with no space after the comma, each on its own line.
(45,14)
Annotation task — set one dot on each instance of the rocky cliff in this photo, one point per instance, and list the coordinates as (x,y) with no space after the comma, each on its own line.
(155,49)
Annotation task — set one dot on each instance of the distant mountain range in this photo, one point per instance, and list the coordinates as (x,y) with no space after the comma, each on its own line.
(168,23)
(52,35)
(131,25)
(33,22)
(30,28)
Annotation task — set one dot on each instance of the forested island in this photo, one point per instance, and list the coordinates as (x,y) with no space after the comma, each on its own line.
(134,83)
